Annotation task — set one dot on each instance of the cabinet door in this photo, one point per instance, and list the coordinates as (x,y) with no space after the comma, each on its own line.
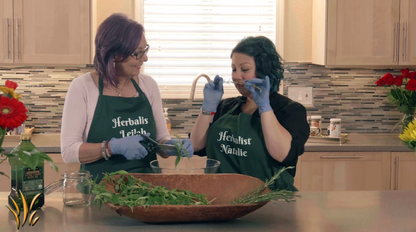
(408,32)
(403,171)
(6,31)
(363,32)
(343,171)
(52,31)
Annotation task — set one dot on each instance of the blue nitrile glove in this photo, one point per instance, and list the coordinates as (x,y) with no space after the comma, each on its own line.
(187,144)
(213,92)
(130,147)
(260,96)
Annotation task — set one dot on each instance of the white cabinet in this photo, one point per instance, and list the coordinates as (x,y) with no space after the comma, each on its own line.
(343,171)
(51,32)
(407,51)
(362,33)
(403,171)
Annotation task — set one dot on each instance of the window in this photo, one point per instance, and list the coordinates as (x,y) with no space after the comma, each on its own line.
(191,37)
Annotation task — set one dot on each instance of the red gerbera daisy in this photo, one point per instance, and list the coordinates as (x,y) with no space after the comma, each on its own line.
(12,113)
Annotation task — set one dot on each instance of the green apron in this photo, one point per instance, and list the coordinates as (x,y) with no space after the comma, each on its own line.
(237,142)
(120,117)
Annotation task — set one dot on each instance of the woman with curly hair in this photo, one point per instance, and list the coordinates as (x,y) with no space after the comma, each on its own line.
(259,132)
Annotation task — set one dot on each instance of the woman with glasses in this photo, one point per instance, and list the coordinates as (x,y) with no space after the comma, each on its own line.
(107,110)
(259,132)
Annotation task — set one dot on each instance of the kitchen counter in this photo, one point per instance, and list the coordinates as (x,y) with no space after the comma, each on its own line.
(370,211)
(50,143)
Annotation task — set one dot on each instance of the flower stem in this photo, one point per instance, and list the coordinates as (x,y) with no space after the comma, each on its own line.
(2,135)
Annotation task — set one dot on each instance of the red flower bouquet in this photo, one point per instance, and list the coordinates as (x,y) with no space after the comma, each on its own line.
(402,92)
(12,111)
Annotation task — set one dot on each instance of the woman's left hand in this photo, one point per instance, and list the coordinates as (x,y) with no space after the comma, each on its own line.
(260,91)
(186,144)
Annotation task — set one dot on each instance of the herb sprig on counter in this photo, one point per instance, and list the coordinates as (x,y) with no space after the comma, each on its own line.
(257,195)
(130,191)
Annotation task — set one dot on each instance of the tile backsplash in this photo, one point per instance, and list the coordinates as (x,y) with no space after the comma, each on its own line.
(349,94)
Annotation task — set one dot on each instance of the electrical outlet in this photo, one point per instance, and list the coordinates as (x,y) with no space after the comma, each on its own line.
(301,94)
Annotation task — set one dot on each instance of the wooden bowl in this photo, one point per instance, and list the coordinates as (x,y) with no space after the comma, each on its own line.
(223,187)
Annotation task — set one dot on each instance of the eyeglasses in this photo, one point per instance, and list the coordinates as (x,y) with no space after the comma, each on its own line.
(139,55)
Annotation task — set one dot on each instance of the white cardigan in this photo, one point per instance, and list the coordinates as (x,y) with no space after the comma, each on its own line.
(80,102)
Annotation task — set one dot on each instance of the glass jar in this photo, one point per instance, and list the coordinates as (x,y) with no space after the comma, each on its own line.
(315,127)
(77,186)
(335,127)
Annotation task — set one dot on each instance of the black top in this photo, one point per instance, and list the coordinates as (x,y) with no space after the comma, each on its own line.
(290,114)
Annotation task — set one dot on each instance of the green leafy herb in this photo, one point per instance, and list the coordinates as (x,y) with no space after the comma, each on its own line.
(241,82)
(257,195)
(32,157)
(179,149)
(130,191)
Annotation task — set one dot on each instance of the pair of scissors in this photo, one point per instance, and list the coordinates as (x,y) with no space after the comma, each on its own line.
(153,146)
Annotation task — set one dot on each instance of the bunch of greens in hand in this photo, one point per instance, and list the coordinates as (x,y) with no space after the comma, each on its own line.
(179,150)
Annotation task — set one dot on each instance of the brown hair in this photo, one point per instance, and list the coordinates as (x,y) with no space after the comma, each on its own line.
(117,35)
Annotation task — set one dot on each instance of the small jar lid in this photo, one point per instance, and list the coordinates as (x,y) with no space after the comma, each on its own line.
(316,117)
(335,120)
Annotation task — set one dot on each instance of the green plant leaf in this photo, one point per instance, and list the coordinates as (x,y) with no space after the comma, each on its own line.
(177,160)
(402,108)
(44,156)
(27,158)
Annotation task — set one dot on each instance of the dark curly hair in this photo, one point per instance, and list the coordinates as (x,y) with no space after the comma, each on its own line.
(268,61)
(116,36)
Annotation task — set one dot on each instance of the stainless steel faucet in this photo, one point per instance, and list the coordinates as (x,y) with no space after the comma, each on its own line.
(191,97)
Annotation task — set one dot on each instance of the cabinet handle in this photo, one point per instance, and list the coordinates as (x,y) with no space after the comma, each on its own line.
(341,157)
(405,42)
(396,29)
(17,37)
(396,178)
(8,37)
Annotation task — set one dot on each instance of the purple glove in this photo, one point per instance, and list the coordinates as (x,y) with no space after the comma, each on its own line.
(130,147)
(260,93)
(213,92)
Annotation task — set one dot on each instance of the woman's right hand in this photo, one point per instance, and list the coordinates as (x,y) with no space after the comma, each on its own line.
(213,92)
(130,147)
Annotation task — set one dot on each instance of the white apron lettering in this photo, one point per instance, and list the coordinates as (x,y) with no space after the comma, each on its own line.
(228,149)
